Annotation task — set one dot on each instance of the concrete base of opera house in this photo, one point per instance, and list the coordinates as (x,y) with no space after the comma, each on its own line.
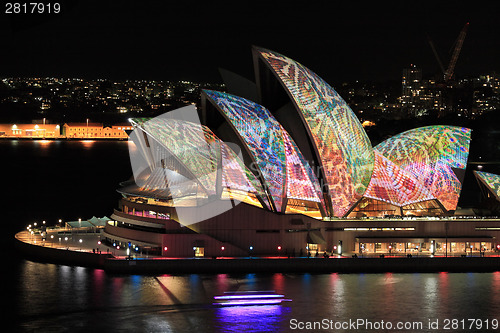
(122,265)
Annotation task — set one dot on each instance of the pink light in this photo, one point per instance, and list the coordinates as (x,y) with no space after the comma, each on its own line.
(165,248)
(279,248)
(222,248)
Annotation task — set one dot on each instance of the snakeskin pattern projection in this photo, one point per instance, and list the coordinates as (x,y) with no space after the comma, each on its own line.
(491,180)
(272,148)
(236,176)
(341,144)
(394,185)
(301,182)
(261,135)
(430,154)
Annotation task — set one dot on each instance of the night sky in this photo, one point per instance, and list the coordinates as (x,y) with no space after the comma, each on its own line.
(187,40)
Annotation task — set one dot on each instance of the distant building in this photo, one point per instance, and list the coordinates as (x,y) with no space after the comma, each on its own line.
(30,130)
(82,130)
(419,96)
(411,85)
(486,94)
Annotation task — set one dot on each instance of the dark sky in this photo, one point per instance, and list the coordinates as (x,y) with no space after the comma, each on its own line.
(173,40)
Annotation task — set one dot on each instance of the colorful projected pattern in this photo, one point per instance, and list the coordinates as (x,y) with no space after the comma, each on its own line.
(429,154)
(236,176)
(394,185)
(193,144)
(197,148)
(343,148)
(272,148)
(301,182)
(261,134)
(491,180)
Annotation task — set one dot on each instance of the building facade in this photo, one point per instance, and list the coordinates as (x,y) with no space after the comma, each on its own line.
(301,178)
(95,130)
(30,130)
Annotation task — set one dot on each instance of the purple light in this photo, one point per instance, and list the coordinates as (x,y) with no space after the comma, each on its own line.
(251,302)
(249,296)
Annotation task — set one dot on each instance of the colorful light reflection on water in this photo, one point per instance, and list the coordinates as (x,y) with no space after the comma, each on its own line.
(262,318)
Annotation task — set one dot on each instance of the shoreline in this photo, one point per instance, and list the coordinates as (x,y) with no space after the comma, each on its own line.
(161,265)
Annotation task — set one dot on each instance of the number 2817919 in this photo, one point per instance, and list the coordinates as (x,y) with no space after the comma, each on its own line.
(32,8)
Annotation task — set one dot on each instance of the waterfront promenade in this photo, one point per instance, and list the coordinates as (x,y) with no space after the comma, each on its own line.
(83,249)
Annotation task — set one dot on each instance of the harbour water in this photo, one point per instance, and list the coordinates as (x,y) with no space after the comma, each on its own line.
(51,180)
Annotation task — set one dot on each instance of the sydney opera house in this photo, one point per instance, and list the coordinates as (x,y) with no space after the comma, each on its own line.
(283,167)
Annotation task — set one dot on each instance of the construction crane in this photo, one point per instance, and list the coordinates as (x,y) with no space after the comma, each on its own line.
(448,73)
(458,47)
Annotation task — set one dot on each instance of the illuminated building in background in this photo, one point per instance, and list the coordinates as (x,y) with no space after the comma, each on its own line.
(420,96)
(411,90)
(95,131)
(38,131)
(302,177)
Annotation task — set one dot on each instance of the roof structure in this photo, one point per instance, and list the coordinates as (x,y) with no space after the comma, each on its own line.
(285,171)
(491,181)
(395,185)
(341,144)
(201,154)
(418,170)
(430,154)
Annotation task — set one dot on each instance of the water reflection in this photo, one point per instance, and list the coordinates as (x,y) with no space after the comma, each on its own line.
(338,296)
(87,144)
(44,143)
(264,318)
(66,297)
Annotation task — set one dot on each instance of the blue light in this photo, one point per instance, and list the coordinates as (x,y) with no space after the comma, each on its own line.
(251,248)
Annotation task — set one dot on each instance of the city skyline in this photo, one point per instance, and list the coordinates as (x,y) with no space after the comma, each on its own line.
(188,41)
